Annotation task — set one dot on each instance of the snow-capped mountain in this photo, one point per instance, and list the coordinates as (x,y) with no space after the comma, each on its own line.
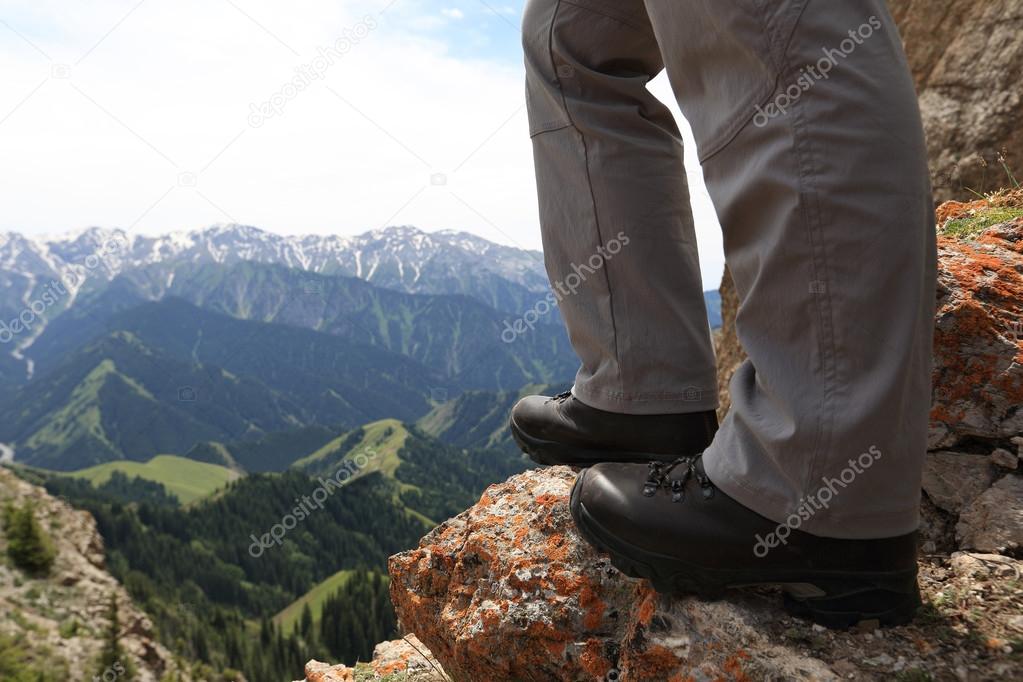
(403,258)
(41,278)
(86,321)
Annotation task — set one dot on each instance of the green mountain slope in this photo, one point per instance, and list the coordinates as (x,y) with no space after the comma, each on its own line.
(289,616)
(118,398)
(184,478)
(209,572)
(479,419)
(171,376)
(336,380)
(457,336)
(379,442)
(433,480)
(270,452)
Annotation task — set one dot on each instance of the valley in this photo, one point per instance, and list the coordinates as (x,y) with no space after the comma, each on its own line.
(185,479)
(257,422)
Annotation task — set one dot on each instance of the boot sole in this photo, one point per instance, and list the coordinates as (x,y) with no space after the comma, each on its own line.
(834,599)
(553,453)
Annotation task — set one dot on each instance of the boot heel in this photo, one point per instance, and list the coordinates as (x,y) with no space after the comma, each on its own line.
(843,604)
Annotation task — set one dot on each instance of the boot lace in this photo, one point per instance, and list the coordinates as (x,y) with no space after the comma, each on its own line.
(659,476)
(561,397)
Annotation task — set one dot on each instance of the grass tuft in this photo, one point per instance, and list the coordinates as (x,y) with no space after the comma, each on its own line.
(992,209)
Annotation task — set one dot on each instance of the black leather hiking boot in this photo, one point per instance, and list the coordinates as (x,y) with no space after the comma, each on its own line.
(669,524)
(563,430)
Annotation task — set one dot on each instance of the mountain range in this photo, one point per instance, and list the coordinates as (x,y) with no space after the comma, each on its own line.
(165,384)
(403,258)
(121,346)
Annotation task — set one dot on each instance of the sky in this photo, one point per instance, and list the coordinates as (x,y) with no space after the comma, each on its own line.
(167,115)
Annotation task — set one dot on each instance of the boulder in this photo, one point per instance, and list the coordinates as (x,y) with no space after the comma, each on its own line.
(966,58)
(508,590)
(727,349)
(978,337)
(405,659)
(953,480)
(994,521)
(1004,459)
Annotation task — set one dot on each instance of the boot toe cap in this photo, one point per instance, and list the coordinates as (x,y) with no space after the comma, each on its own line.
(530,414)
(606,495)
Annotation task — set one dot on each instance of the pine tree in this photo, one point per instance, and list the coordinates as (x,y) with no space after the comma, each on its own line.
(28,545)
(306,626)
(200,646)
(112,662)
(266,632)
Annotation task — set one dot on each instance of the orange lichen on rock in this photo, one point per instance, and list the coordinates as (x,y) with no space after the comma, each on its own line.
(734,666)
(556,548)
(647,606)
(546,500)
(655,662)
(541,604)
(593,607)
(978,337)
(405,656)
(954,210)
(593,660)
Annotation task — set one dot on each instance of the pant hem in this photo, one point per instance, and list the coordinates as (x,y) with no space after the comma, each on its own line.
(645,405)
(827,524)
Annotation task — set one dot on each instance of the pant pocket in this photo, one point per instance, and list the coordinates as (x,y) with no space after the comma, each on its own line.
(544,101)
(780,20)
(725,58)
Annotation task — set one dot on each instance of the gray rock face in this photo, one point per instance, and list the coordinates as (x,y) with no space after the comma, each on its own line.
(1005,459)
(978,378)
(953,480)
(78,590)
(966,58)
(994,521)
(405,659)
(509,591)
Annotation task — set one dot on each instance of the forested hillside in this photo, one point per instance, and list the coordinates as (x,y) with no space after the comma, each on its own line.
(213,574)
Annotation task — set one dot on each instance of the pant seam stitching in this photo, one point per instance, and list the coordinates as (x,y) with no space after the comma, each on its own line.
(822,299)
(589,184)
(551,127)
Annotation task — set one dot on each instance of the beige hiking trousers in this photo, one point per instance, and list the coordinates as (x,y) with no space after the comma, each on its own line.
(810,138)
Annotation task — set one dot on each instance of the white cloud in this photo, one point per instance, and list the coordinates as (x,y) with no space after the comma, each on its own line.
(453,13)
(117,137)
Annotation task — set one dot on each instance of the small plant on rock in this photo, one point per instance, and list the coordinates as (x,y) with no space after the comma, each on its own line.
(28,545)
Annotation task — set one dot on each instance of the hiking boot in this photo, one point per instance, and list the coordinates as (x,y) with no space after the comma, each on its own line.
(564,430)
(668,523)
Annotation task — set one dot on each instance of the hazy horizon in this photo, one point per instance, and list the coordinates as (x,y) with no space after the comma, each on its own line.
(318,118)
